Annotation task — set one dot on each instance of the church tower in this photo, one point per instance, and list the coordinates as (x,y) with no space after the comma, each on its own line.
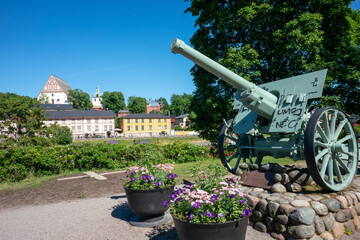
(96,99)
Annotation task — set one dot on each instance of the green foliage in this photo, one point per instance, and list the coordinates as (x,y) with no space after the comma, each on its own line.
(269,40)
(114,101)
(357,129)
(183,152)
(178,128)
(164,105)
(180,104)
(60,135)
(137,104)
(21,118)
(18,162)
(79,99)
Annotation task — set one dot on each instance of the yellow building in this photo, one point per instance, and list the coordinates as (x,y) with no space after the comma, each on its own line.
(145,125)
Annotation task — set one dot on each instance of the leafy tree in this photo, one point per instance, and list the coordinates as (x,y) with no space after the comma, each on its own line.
(79,99)
(21,118)
(61,135)
(164,105)
(43,98)
(269,40)
(180,104)
(114,101)
(137,104)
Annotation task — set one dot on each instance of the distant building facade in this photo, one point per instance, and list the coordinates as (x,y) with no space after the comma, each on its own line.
(152,105)
(145,125)
(55,91)
(83,124)
(123,113)
(182,120)
(96,99)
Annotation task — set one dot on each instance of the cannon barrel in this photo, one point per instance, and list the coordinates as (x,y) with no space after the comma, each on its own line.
(252,96)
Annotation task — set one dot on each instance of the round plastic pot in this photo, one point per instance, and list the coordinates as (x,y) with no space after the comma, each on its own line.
(148,203)
(235,230)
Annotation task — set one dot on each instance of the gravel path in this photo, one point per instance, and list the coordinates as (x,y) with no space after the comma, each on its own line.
(92,218)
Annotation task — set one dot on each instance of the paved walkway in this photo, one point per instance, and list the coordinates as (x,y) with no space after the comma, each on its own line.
(94,218)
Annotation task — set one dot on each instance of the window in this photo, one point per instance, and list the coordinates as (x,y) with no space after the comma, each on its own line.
(79,128)
(96,120)
(165,127)
(105,127)
(142,127)
(136,120)
(110,128)
(159,120)
(159,127)
(136,128)
(128,128)
(89,127)
(73,121)
(79,121)
(165,120)
(73,128)
(150,120)
(128,120)
(150,127)
(96,127)
(88,120)
(142,120)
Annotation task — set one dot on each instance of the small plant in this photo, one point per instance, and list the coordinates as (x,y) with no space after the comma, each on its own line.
(150,177)
(212,199)
(348,231)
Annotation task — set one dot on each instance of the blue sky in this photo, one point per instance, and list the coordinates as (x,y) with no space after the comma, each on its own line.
(116,45)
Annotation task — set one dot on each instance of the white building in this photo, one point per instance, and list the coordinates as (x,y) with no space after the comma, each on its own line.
(96,99)
(88,123)
(55,91)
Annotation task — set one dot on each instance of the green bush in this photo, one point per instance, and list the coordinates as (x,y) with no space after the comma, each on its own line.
(357,129)
(18,162)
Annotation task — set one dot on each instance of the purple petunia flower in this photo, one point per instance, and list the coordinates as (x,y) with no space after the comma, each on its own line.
(221,215)
(196,205)
(133,179)
(178,199)
(173,196)
(144,177)
(242,201)
(245,213)
(151,177)
(210,214)
(171,176)
(157,184)
(213,198)
(191,216)
(165,204)
(232,196)
(202,213)
(179,191)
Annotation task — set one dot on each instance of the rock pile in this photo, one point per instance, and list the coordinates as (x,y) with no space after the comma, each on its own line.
(288,215)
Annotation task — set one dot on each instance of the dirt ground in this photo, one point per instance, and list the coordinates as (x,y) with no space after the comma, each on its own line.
(57,191)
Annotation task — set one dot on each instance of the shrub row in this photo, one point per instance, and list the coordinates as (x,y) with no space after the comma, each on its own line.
(17,163)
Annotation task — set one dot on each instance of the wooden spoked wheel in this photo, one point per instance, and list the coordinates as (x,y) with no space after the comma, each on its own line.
(331,149)
(232,148)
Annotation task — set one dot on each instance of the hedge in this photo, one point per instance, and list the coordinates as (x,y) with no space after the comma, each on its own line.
(17,163)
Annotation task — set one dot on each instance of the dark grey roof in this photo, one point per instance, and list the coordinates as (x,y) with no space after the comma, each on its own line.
(56,107)
(124,111)
(64,85)
(143,115)
(79,114)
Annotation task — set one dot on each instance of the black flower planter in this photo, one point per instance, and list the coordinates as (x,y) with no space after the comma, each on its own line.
(235,230)
(148,205)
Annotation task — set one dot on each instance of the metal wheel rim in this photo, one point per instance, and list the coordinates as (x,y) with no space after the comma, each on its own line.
(230,155)
(331,149)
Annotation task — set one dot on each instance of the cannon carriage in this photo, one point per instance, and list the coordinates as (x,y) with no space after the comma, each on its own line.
(273,120)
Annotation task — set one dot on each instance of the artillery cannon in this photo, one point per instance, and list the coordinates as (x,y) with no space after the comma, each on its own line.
(273,120)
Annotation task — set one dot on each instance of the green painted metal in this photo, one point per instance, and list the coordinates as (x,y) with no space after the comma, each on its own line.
(278,109)
(331,149)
